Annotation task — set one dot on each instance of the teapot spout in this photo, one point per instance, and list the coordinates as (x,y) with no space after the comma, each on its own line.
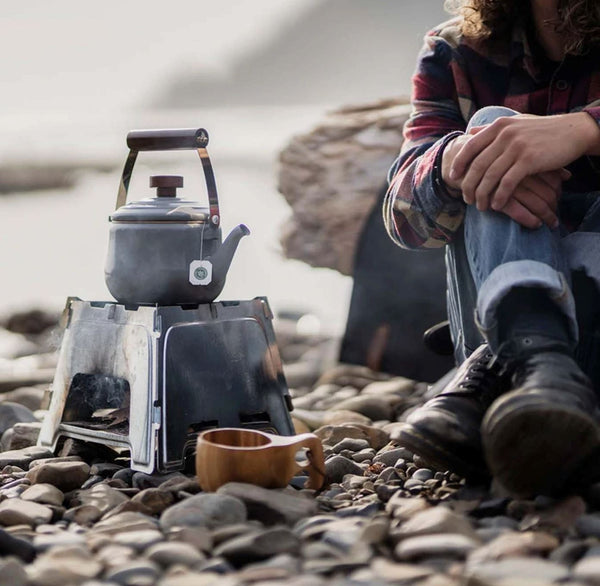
(223,256)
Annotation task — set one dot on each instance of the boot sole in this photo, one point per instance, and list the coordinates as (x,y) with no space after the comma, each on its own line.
(533,446)
(438,456)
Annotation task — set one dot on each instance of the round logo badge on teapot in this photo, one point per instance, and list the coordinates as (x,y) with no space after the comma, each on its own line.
(200,272)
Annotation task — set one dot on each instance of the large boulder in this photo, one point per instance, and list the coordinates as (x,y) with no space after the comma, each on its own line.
(331,176)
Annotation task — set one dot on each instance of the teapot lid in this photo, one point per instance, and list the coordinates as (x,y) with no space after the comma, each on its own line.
(165,207)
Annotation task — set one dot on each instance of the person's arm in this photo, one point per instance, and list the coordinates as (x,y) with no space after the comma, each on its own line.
(498,157)
(419,210)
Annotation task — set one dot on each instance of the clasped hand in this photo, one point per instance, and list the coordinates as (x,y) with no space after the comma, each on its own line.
(515,165)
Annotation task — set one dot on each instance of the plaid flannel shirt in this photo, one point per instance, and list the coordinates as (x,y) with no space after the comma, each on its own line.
(455,77)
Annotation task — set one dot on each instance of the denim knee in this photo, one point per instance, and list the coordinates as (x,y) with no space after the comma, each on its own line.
(488,114)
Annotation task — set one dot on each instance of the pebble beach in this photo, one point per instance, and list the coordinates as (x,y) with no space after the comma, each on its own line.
(83,517)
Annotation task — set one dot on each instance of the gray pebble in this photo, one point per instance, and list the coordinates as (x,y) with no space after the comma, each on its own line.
(206,509)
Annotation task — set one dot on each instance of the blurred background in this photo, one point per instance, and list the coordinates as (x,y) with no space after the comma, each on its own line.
(76,77)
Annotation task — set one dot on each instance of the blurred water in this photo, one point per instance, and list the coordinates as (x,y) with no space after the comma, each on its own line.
(53,243)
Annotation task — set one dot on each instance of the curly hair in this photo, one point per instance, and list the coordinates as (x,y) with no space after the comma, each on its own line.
(578,20)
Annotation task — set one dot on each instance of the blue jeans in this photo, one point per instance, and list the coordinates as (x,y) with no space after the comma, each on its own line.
(492,254)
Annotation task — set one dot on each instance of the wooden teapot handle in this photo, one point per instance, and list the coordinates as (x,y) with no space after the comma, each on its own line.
(168,140)
(315,462)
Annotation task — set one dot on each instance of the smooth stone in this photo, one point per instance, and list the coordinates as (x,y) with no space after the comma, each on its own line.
(373,407)
(141,480)
(499,522)
(92,481)
(259,545)
(404,508)
(337,467)
(454,545)
(588,569)
(154,499)
(139,540)
(30,397)
(125,474)
(169,553)
(433,520)
(64,565)
(16,512)
(398,572)
(216,565)
(11,413)
(227,532)
(488,534)
(523,569)
(21,435)
(389,457)
(363,455)
(332,434)
(330,566)
(12,572)
(54,460)
(140,572)
(343,417)
(14,546)
(271,506)
(422,474)
(569,552)
(588,525)
(113,556)
(64,475)
(44,494)
(395,386)
(62,539)
(413,484)
(206,578)
(83,515)
(178,484)
(513,544)
(355,445)
(561,516)
(101,496)
(128,521)
(23,457)
(206,510)
(200,538)
(105,469)
(376,530)
(366,510)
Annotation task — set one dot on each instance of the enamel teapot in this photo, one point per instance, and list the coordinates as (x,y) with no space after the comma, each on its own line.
(166,250)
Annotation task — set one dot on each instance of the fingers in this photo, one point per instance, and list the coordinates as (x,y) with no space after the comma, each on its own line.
(484,187)
(520,214)
(479,141)
(536,204)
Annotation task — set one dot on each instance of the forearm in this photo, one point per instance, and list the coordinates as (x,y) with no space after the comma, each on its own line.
(419,212)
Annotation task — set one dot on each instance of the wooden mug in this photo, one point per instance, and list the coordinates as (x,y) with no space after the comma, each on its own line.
(230,454)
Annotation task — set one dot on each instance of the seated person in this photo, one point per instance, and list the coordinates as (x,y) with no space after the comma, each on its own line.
(499,166)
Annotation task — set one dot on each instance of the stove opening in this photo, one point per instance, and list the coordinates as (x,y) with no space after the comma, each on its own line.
(260,421)
(98,401)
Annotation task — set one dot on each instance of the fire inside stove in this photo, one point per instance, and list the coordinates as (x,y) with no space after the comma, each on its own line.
(98,401)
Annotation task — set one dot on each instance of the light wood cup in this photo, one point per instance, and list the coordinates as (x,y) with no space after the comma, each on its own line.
(245,455)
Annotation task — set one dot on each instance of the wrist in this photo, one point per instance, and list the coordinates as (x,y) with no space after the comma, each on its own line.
(448,154)
(590,131)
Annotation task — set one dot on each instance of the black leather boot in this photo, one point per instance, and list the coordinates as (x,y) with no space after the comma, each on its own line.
(445,431)
(537,436)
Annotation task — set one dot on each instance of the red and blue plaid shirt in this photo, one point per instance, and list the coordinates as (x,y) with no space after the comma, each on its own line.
(455,77)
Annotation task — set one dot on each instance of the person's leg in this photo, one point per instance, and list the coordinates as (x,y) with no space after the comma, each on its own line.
(515,277)
(461,287)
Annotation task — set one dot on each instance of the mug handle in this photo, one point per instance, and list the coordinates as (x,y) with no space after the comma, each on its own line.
(315,462)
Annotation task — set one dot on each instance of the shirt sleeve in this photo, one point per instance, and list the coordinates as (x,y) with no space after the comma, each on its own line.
(418,210)
(594,112)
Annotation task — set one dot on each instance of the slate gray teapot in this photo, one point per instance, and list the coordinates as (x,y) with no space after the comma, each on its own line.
(167,250)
